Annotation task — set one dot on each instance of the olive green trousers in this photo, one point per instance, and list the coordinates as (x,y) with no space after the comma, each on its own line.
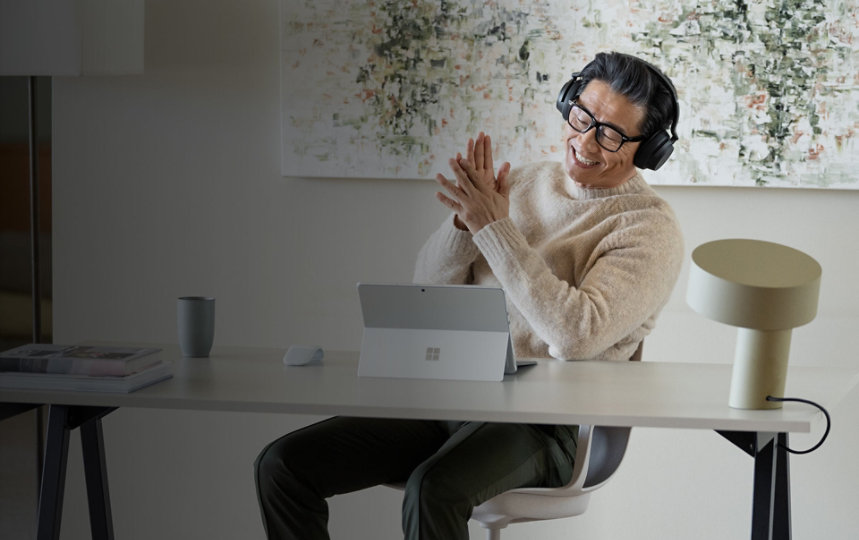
(448,468)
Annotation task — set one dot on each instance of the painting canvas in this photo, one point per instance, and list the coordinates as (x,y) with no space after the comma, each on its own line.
(768,91)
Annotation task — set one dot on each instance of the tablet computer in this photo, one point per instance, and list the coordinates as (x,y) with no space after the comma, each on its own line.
(457,332)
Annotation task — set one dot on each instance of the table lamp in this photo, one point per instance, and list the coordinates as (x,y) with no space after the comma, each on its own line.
(765,289)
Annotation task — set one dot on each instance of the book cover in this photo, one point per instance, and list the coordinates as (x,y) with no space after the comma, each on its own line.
(95,361)
(75,382)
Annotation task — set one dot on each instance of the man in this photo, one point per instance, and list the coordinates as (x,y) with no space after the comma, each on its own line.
(587,255)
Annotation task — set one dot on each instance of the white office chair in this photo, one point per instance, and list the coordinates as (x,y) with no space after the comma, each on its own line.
(598,455)
(599,451)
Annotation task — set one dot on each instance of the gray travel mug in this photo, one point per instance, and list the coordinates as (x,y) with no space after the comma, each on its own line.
(195,316)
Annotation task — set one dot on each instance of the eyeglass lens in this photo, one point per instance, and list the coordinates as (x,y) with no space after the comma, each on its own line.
(607,137)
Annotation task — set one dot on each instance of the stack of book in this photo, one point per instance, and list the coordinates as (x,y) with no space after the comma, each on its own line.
(81,368)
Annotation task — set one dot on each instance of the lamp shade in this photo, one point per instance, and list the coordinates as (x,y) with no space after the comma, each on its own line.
(753,284)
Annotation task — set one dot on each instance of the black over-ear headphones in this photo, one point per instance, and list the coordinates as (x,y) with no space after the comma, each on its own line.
(655,150)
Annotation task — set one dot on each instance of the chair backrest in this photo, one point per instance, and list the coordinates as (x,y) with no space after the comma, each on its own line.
(608,446)
(599,452)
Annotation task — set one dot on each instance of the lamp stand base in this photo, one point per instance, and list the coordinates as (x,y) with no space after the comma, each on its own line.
(760,368)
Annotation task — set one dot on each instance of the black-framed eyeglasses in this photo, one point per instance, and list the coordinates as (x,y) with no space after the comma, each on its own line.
(607,136)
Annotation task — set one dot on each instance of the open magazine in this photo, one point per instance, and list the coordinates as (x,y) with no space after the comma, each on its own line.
(95,361)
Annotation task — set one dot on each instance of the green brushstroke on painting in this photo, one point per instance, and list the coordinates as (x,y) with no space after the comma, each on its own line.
(412,70)
(779,61)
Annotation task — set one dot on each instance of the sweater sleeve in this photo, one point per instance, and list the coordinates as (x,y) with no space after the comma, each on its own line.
(628,280)
(446,256)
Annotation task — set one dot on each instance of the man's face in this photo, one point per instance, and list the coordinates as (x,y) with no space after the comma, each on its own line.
(588,163)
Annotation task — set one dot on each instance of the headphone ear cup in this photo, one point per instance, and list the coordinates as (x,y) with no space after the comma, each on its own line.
(568,92)
(563,103)
(654,151)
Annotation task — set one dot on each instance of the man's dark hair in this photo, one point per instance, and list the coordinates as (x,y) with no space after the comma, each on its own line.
(640,82)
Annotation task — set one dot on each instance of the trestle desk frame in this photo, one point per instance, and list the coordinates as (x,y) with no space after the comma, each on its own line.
(649,394)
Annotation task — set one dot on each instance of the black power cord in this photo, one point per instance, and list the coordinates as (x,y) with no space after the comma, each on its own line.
(808,402)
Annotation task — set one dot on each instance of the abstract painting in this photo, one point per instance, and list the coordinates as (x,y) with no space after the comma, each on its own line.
(768,90)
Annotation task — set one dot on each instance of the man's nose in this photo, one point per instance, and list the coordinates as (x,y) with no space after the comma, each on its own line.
(588,139)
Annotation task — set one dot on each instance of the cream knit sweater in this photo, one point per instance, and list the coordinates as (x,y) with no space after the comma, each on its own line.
(585,271)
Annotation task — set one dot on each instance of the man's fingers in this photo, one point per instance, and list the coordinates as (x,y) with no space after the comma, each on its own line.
(470,178)
(478,152)
(447,201)
(469,153)
(487,154)
(452,188)
(503,187)
(464,172)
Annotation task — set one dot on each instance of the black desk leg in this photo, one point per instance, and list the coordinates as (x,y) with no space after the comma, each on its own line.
(61,420)
(771,506)
(782,521)
(95,469)
(771,502)
(51,492)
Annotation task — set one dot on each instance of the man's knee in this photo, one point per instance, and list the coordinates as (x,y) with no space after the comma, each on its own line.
(273,472)
(431,486)
(267,467)
(435,505)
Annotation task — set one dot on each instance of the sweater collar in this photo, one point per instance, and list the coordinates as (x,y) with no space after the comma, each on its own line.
(636,184)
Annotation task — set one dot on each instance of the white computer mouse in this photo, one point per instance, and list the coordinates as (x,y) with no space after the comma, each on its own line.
(301,355)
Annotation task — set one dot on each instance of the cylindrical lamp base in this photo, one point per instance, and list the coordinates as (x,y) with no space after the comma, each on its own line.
(760,368)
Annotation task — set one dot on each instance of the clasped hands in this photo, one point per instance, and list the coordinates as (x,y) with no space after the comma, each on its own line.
(477,196)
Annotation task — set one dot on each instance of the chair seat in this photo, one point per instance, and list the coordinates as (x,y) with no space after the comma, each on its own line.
(598,455)
(518,506)
(599,451)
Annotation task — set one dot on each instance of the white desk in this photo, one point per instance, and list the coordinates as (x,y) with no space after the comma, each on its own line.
(638,394)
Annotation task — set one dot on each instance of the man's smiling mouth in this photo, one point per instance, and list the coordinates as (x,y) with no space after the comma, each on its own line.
(581,159)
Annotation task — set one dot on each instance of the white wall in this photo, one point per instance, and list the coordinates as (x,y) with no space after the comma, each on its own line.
(168,184)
